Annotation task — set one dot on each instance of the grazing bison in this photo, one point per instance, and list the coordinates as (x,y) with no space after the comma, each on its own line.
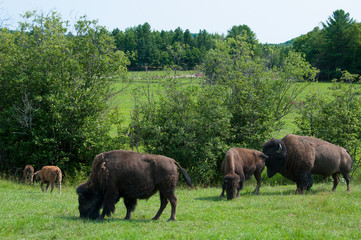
(28,172)
(132,176)
(49,174)
(238,165)
(298,157)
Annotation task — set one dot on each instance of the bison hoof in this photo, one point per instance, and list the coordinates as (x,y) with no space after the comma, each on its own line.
(171,219)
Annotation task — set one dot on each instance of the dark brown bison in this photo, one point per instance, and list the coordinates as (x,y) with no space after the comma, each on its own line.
(28,173)
(298,157)
(239,165)
(132,176)
(49,174)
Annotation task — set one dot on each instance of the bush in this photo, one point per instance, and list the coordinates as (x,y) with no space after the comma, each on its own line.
(54,110)
(188,123)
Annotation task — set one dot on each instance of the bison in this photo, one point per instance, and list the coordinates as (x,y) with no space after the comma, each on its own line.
(28,172)
(238,165)
(298,157)
(129,175)
(49,174)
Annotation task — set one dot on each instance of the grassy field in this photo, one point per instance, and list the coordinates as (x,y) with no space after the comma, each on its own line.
(150,83)
(277,213)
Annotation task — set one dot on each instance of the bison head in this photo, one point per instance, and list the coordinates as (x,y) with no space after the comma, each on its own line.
(231,184)
(90,202)
(276,152)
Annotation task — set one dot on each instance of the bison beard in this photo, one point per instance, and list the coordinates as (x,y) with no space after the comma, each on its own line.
(132,176)
(298,157)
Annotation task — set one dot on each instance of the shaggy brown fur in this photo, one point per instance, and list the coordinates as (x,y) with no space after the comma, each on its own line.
(129,175)
(238,165)
(49,174)
(298,157)
(28,172)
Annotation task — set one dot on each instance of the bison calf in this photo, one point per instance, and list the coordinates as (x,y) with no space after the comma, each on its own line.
(298,157)
(28,172)
(129,175)
(49,174)
(238,165)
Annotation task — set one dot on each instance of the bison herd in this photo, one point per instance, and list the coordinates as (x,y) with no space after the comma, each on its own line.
(132,176)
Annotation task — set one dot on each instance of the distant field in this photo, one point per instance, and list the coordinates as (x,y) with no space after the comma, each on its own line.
(150,82)
(27,213)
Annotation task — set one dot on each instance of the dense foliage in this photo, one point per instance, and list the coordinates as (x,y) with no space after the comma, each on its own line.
(53,107)
(188,123)
(335,46)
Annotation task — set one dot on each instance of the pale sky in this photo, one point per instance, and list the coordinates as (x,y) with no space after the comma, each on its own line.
(274,21)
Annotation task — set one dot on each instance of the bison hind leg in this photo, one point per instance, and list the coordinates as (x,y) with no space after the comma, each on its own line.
(166,191)
(130,204)
(336,180)
(347,178)
(257,175)
(163,204)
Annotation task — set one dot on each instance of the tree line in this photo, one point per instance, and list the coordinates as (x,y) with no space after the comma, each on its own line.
(336,46)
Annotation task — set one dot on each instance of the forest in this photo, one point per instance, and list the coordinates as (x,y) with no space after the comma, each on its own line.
(58,86)
(335,46)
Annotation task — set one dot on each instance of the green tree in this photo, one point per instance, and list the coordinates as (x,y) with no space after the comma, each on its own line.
(189,123)
(337,41)
(56,86)
(258,98)
(335,46)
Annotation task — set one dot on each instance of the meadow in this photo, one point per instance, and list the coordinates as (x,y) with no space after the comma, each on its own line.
(150,83)
(276,213)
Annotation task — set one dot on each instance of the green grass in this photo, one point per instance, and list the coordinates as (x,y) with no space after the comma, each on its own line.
(277,213)
(141,82)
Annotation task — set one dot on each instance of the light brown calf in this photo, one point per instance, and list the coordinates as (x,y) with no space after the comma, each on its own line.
(28,172)
(49,174)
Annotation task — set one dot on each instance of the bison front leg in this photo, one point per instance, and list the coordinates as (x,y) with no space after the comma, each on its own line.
(304,182)
(108,205)
(130,204)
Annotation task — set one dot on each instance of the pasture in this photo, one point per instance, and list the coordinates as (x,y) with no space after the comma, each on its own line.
(150,83)
(276,213)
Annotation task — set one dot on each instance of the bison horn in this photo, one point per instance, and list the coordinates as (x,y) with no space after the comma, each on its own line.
(279,150)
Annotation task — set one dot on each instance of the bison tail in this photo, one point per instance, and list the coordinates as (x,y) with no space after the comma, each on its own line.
(185,175)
